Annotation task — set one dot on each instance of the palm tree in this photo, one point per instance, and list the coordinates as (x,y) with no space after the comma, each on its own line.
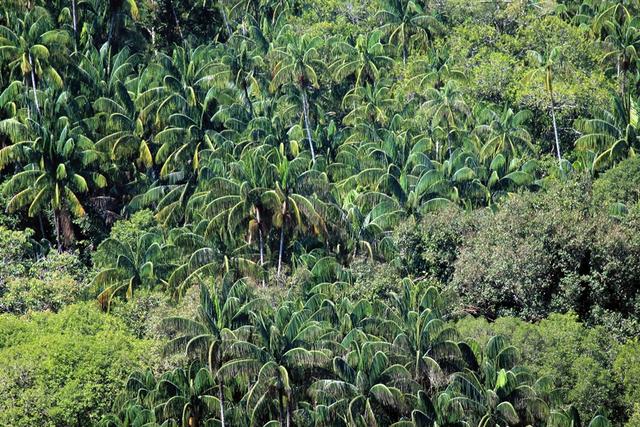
(201,254)
(497,392)
(369,105)
(186,397)
(545,65)
(236,205)
(434,70)
(374,389)
(241,66)
(218,324)
(364,59)
(12,116)
(136,403)
(168,196)
(179,105)
(117,13)
(446,108)
(422,338)
(369,230)
(297,61)
(292,208)
(56,166)
(28,49)
(124,138)
(505,132)
(406,23)
(147,264)
(464,179)
(288,344)
(610,137)
(621,31)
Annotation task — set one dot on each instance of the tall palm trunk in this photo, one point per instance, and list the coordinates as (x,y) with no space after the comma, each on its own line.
(555,127)
(281,249)
(221,399)
(281,415)
(405,52)
(176,21)
(64,229)
(26,93)
(41,224)
(305,111)
(33,84)
(112,23)
(288,411)
(247,98)
(56,220)
(260,241)
(75,25)
(226,21)
(626,100)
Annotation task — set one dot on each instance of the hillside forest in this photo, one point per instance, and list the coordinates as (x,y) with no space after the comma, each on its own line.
(358,213)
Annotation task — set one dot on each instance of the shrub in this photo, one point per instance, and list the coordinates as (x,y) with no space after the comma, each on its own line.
(627,371)
(48,284)
(548,251)
(15,247)
(579,359)
(431,247)
(65,368)
(620,184)
(372,280)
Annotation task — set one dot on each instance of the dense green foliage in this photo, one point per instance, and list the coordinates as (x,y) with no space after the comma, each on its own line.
(63,369)
(553,251)
(283,211)
(580,360)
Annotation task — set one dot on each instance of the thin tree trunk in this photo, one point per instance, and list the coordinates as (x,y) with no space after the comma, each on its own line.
(226,21)
(56,220)
(33,84)
(221,398)
(175,18)
(281,249)
(305,111)
(260,241)
(288,411)
(26,94)
(41,225)
(112,24)
(261,246)
(247,99)
(281,408)
(555,127)
(75,25)
(625,101)
(153,40)
(261,252)
(449,138)
(618,67)
(404,52)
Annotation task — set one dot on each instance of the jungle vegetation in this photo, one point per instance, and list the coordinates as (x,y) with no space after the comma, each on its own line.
(319,213)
